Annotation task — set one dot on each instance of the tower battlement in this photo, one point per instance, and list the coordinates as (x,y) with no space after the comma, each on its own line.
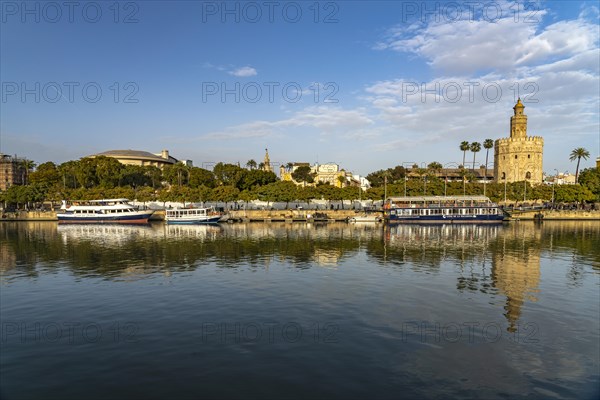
(532,139)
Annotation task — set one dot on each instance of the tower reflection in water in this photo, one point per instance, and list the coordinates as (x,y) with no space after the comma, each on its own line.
(514,251)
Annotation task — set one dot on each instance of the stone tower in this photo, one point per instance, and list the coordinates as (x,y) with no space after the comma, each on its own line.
(518,157)
(267,162)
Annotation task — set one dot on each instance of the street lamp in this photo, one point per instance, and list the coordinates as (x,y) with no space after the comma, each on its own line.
(384,188)
(553,185)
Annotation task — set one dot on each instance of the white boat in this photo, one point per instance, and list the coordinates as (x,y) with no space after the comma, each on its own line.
(366,218)
(102,211)
(193,216)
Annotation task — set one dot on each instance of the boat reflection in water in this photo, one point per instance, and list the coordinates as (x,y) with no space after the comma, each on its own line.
(103,234)
(497,260)
(400,301)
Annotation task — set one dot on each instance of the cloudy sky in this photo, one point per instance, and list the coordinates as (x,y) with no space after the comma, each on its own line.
(368,85)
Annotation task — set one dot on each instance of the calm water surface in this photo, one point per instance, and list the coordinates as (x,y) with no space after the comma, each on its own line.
(300,311)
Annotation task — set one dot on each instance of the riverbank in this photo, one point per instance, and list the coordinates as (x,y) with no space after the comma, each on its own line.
(558,215)
(310,215)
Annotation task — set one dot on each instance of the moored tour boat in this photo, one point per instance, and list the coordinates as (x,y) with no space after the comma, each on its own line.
(443,209)
(102,211)
(193,216)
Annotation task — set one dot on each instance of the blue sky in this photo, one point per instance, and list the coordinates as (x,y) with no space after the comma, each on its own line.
(162,66)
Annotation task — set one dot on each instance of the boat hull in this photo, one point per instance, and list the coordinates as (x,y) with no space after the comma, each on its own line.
(137,218)
(447,219)
(195,221)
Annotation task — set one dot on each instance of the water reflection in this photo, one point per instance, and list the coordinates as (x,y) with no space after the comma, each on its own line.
(494,260)
(376,283)
(516,269)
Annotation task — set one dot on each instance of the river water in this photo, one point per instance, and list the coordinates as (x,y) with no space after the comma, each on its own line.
(300,311)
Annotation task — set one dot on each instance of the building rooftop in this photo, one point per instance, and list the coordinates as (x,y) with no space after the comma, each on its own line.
(134,154)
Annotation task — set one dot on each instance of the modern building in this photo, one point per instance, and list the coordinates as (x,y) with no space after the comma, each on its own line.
(138,157)
(12,171)
(519,157)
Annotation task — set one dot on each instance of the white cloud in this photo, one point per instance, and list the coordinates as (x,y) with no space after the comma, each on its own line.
(558,65)
(467,46)
(243,72)
(316,119)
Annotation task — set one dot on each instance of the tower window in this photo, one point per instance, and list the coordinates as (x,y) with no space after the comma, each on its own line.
(504,175)
(528,175)
(516,156)
(528,155)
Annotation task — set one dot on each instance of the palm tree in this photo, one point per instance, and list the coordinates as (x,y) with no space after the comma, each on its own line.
(475,147)
(487,145)
(435,167)
(578,154)
(26,166)
(464,147)
(289,166)
(251,164)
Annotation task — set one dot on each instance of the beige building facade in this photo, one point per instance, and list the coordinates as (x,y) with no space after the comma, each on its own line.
(519,157)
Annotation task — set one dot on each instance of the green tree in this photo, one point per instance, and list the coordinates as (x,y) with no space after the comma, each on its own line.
(154,174)
(226,174)
(435,167)
(251,164)
(303,174)
(590,178)
(281,191)
(578,154)
(475,148)
(108,171)
(85,172)
(134,176)
(67,171)
(246,180)
(46,174)
(376,179)
(225,193)
(201,177)
(25,167)
(176,174)
(464,147)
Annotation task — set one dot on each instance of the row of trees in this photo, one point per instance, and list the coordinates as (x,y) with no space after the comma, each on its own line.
(104,177)
(475,147)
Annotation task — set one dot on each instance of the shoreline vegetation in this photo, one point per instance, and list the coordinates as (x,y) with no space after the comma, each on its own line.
(105,177)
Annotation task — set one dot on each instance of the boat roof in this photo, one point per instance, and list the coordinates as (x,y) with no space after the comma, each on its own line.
(439,198)
(99,201)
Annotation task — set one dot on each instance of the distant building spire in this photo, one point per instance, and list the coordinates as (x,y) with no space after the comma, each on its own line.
(267,162)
